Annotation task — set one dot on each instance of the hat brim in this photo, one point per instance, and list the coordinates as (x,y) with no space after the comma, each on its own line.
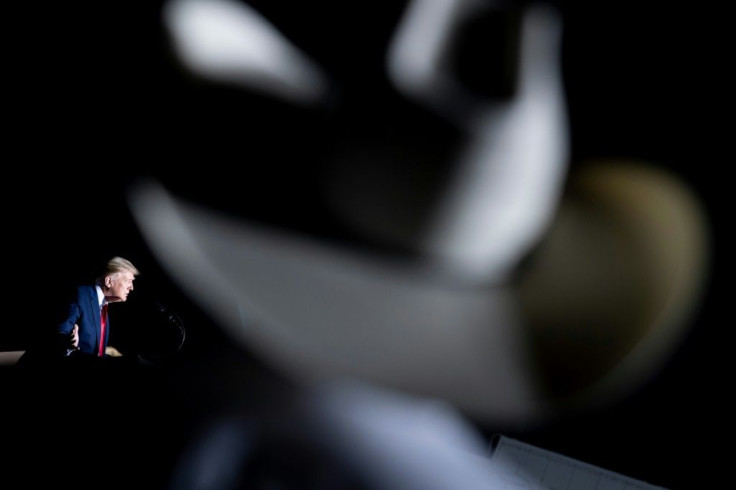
(318,310)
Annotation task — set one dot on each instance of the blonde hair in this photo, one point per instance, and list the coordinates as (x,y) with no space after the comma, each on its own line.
(116,265)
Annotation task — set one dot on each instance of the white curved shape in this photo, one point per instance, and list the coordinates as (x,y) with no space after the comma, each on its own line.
(230,42)
(415,52)
(509,179)
(317,311)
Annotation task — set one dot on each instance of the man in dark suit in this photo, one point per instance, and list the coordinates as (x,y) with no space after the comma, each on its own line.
(92,399)
(85,328)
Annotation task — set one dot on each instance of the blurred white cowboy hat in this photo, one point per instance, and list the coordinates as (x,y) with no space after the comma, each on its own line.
(536,290)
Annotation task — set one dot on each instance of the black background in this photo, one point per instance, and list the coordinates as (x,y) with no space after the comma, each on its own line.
(95,101)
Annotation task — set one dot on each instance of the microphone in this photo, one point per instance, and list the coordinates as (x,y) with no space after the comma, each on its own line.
(167,342)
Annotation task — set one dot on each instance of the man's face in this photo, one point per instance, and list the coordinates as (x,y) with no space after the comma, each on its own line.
(120,285)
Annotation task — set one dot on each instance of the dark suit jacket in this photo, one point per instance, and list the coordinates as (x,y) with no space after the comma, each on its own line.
(84,310)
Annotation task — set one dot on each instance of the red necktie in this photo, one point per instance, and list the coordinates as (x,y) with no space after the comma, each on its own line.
(103,324)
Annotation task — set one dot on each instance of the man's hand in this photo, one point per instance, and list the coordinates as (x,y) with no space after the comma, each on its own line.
(112,351)
(74,337)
